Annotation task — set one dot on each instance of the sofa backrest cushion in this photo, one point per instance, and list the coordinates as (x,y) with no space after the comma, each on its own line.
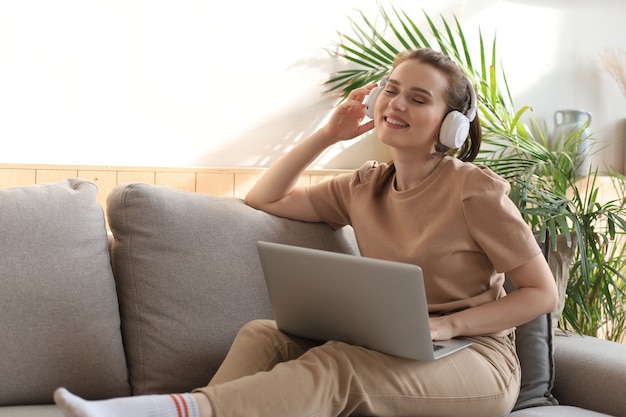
(188,277)
(59,316)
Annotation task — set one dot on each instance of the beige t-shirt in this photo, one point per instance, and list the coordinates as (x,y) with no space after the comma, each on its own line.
(458,225)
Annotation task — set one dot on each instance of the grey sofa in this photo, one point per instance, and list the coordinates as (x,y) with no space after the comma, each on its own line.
(154,306)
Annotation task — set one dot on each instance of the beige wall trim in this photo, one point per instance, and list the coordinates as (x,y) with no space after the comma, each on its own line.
(220,181)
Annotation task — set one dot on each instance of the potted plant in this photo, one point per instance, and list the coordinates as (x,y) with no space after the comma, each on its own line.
(544,184)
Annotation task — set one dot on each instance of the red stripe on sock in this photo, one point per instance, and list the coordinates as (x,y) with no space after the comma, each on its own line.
(176,399)
(185,406)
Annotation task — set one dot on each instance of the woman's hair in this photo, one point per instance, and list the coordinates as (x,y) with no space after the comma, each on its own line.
(458,97)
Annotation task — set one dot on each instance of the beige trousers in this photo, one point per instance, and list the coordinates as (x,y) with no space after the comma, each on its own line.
(267,373)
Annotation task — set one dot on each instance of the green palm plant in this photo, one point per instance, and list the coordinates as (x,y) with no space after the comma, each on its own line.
(596,294)
(544,185)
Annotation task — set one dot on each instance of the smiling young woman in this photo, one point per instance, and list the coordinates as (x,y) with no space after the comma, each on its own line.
(431,207)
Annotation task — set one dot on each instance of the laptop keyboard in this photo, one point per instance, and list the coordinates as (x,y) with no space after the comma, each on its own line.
(437,347)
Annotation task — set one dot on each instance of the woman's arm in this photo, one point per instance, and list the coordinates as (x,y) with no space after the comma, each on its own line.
(276,191)
(536,294)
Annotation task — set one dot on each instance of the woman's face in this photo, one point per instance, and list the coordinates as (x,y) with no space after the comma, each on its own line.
(411,107)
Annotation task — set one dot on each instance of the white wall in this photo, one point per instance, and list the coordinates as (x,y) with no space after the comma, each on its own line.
(236,83)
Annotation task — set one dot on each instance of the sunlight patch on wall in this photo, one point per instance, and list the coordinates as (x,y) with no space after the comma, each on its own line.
(527,45)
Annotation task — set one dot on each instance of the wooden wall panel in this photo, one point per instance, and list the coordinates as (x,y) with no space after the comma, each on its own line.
(147,177)
(12,177)
(221,184)
(54,175)
(214,181)
(104,180)
(244,182)
(179,180)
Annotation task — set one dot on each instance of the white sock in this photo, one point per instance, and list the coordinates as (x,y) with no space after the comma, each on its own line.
(168,405)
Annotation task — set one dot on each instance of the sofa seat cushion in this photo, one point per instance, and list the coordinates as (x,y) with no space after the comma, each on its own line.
(188,277)
(59,314)
(558,411)
(31,411)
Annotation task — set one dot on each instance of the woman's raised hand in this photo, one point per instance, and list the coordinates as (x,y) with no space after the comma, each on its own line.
(277,191)
(347,120)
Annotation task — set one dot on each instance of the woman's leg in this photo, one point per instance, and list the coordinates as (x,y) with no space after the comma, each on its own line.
(336,379)
(259,346)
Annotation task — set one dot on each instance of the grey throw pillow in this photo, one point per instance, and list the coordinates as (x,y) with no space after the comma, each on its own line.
(188,277)
(535,349)
(59,315)
(536,354)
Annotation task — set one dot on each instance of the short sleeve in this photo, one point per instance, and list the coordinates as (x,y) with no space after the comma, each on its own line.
(332,199)
(495,222)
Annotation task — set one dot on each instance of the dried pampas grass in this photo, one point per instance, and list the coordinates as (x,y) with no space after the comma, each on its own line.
(614,62)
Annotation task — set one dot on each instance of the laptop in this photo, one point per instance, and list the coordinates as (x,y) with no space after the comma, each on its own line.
(377,304)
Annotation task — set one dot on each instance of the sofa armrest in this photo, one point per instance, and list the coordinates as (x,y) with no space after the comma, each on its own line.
(590,373)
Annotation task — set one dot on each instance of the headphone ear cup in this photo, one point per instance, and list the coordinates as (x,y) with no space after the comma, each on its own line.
(454,130)
(370,101)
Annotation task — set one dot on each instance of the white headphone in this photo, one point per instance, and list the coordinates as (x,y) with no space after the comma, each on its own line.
(455,126)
